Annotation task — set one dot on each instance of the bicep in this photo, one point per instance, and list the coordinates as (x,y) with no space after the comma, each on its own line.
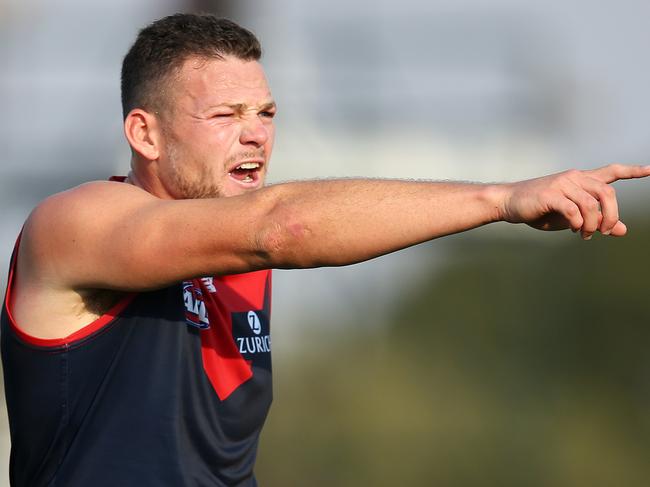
(123,238)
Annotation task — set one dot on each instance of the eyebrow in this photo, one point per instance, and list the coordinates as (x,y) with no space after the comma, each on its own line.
(240,107)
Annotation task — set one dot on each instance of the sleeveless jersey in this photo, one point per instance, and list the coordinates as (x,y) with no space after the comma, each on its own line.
(168,388)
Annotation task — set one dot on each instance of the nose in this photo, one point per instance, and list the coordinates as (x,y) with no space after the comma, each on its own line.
(254,132)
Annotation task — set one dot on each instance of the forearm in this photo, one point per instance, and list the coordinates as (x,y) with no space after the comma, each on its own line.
(339,222)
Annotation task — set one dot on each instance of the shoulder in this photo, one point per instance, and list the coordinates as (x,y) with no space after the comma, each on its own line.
(93,193)
(63,218)
(86,204)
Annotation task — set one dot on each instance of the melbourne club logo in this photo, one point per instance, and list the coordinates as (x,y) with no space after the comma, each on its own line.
(196,313)
(208,282)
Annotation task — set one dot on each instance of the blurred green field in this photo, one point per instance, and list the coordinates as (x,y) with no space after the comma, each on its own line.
(522,362)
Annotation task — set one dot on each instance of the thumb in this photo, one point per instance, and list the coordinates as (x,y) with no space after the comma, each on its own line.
(619,229)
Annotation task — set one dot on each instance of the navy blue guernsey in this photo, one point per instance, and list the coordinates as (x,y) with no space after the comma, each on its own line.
(169,388)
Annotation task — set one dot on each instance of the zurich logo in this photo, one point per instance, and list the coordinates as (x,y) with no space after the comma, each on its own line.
(254,322)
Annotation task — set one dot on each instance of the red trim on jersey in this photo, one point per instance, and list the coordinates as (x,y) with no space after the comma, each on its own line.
(243,292)
(87,330)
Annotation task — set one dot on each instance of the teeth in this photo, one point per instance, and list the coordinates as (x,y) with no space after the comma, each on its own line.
(247,179)
(249,165)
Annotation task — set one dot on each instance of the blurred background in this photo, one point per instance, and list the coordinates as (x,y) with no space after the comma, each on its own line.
(500,357)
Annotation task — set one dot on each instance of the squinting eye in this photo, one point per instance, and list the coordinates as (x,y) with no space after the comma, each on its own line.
(267,114)
(223,115)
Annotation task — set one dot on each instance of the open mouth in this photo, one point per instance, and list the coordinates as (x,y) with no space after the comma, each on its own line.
(246,172)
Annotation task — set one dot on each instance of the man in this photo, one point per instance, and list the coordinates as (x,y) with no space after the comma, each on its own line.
(135,338)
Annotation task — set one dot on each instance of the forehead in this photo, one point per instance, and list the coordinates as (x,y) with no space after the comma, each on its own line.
(203,82)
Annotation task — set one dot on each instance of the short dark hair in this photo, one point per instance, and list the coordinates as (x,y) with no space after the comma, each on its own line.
(162,47)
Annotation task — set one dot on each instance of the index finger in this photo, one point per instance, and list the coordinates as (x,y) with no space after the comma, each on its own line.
(614,172)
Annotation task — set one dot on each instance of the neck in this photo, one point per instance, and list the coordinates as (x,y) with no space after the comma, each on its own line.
(149,182)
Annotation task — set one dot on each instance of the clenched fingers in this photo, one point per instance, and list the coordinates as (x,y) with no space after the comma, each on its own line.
(588,206)
(606,198)
(570,212)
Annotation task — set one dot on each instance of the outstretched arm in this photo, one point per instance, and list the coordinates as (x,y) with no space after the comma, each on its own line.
(116,236)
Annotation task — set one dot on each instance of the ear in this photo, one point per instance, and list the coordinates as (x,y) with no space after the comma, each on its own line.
(142,130)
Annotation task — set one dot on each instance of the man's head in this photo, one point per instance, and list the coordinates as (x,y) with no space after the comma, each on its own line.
(196,107)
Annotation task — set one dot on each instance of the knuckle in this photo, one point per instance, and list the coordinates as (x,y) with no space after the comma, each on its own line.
(611,217)
(572,173)
(571,210)
(608,222)
(590,204)
(590,226)
(616,168)
(609,191)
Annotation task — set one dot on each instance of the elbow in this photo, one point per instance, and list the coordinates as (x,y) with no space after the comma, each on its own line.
(284,239)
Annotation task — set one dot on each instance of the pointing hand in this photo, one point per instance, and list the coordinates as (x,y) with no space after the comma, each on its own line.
(584,201)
